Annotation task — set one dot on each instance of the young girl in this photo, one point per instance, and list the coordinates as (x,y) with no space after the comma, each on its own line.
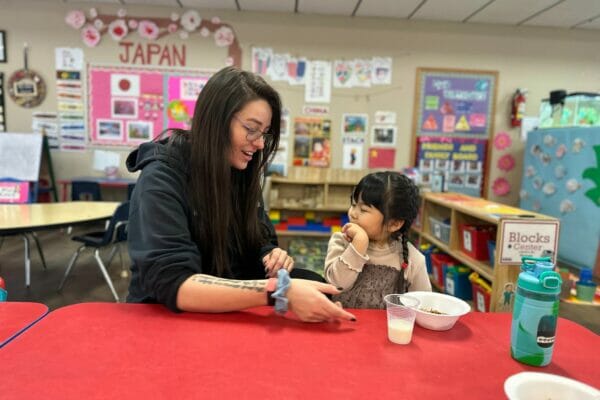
(371,257)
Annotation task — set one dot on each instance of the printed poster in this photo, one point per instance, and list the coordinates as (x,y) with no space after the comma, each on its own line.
(312,142)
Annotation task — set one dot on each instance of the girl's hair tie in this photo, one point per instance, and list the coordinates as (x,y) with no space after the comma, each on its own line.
(404,265)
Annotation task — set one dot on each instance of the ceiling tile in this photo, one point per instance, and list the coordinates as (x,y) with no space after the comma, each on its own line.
(212,4)
(567,14)
(337,7)
(510,11)
(268,5)
(446,10)
(387,8)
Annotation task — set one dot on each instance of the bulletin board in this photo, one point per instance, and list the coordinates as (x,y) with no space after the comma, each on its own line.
(454,107)
(130,105)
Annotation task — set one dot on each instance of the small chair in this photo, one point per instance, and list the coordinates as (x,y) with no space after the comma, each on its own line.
(130,188)
(85,190)
(113,235)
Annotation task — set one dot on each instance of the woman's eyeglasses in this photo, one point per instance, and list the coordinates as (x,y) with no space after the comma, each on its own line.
(254,134)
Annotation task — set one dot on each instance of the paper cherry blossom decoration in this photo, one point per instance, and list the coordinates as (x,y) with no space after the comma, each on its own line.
(215,20)
(148,30)
(190,20)
(90,36)
(204,32)
(228,61)
(502,141)
(501,187)
(172,28)
(93,13)
(183,35)
(174,16)
(75,19)
(98,24)
(121,13)
(224,36)
(118,29)
(133,24)
(506,162)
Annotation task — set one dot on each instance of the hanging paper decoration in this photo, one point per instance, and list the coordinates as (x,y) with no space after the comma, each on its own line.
(118,29)
(502,141)
(506,162)
(90,36)
(501,187)
(94,26)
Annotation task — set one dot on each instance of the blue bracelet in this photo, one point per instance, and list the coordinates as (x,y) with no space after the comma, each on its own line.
(283,284)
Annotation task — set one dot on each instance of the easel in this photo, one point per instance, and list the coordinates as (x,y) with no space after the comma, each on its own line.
(48,159)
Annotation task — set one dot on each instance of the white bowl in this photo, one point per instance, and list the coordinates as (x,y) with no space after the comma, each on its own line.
(451,307)
(539,385)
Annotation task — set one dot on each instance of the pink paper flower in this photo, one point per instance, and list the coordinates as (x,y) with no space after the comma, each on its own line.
(174,16)
(98,24)
(501,187)
(133,24)
(190,20)
(172,28)
(502,141)
(224,36)
(121,13)
(215,20)
(204,32)
(75,19)
(93,13)
(90,36)
(118,29)
(148,30)
(506,162)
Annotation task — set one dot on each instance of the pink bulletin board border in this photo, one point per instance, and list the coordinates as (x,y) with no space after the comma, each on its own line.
(173,89)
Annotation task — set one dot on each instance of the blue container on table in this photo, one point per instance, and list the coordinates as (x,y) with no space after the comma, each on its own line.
(535,312)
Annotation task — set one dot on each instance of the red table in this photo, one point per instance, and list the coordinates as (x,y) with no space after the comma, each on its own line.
(138,351)
(16,317)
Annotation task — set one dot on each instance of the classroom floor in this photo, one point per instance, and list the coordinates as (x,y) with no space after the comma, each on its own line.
(86,284)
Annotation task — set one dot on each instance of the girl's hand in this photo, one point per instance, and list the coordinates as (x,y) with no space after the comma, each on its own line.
(357,236)
(275,260)
(308,302)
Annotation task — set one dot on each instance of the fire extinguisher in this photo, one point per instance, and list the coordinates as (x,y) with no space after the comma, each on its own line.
(517,110)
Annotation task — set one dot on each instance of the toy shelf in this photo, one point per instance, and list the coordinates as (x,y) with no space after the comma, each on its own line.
(441,218)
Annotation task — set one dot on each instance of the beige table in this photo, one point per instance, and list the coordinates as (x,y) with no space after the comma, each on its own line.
(26,218)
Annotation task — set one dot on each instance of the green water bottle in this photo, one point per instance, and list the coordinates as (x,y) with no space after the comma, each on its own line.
(535,312)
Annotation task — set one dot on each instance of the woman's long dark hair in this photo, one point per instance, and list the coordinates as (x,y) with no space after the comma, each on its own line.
(224,200)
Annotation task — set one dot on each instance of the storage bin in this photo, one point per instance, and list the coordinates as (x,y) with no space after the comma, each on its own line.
(439,263)
(474,240)
(457,282)
(492,252)
(482,292)
(440,229)
(428,250)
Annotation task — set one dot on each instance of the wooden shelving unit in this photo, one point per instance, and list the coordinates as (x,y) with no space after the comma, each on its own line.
(461,209)
(324,192)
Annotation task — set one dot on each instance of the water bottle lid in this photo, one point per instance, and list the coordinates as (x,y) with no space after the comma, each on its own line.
(539,276)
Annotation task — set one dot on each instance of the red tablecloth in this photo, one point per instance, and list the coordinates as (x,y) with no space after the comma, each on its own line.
(127,351)
(15,317)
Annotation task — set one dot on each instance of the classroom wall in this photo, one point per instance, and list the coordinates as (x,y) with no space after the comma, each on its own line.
(539,59)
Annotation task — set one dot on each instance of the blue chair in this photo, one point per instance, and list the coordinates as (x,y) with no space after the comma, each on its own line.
(130,188)
(85,190)
(115,234)
(26,235)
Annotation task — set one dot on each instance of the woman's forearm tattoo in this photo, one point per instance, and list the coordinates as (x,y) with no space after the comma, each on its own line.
(257,286)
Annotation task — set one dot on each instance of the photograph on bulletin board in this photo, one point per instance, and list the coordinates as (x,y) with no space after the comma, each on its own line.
(461,162)
(312,142)
(455,102)
(180,100)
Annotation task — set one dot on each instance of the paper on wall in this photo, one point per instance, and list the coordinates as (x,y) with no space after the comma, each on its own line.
(104,159)
(318,82)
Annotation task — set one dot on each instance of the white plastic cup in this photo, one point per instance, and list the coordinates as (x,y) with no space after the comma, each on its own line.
(401,313)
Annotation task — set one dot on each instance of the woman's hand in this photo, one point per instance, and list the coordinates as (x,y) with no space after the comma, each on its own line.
(275,260)
(307,300)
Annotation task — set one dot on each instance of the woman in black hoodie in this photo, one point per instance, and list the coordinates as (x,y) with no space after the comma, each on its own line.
(198,238)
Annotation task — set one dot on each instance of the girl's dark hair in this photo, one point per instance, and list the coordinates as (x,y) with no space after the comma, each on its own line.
(395,196)
(224,200)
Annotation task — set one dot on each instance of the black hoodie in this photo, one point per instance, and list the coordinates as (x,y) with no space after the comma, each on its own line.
(162,248)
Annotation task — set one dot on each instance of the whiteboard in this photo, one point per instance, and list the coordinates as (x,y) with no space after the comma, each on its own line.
(20,155)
